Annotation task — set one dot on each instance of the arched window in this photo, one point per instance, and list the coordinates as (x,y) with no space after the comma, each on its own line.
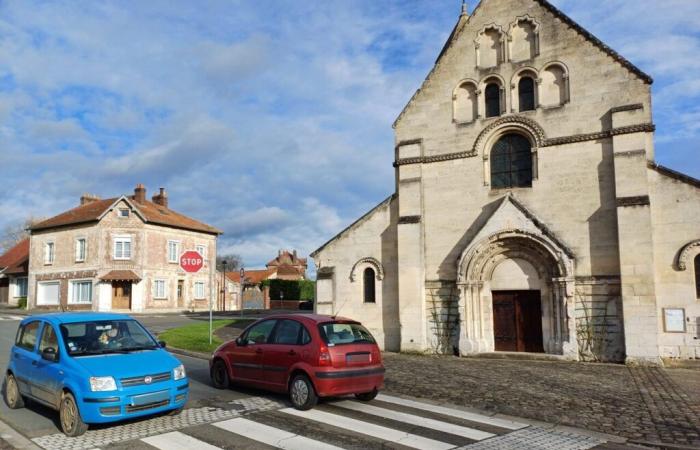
(697,276)
(493,100)
(526,94)
(511,162)
(368,277)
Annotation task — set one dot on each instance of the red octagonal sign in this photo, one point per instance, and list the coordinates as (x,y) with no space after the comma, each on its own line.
(191,261)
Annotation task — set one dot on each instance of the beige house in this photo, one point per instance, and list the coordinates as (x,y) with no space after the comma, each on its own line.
(120,254)
(529,214)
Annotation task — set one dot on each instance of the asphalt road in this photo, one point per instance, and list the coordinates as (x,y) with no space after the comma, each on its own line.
(37,420)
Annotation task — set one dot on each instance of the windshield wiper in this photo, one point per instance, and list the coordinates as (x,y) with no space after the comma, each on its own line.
(136,349)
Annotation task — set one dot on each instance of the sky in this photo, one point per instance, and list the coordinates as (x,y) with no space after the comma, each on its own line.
(270,120)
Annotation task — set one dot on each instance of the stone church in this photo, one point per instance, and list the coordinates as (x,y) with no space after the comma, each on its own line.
(529,214)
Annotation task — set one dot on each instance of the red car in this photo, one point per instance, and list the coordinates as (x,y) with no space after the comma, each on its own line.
(306,355)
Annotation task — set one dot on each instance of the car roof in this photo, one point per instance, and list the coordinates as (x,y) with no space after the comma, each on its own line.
(309,317)
(72,317)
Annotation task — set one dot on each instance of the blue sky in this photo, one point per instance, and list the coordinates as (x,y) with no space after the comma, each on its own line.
(269,119)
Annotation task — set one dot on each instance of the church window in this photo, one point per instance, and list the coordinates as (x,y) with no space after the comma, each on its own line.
(526,94)
(697,276)
(368,277)
(554,89)
(511,162)
(493,100)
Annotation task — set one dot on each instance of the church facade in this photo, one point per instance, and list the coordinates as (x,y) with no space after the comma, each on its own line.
(529,214)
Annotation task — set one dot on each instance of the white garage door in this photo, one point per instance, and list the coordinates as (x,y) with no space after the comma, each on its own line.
(48,293)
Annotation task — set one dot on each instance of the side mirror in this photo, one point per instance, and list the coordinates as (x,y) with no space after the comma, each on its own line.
(241,342)
(161,344)
(49,354)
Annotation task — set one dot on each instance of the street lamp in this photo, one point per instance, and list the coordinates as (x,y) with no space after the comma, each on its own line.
(223,286)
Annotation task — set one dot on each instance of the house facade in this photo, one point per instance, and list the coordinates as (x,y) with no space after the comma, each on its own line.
(529,214)
(120,254)
(14,266)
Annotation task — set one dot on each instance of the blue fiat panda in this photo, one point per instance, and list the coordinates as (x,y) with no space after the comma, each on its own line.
(93,368)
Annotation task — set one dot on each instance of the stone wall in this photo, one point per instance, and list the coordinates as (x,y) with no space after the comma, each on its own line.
(599,327)
(442,303)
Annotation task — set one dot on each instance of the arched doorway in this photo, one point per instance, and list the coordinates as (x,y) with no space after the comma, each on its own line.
(516,290)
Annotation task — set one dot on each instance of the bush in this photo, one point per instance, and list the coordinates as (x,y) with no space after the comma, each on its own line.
(291,289)
(22,303)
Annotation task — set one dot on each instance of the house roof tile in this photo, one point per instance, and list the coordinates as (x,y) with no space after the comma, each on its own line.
(13,259)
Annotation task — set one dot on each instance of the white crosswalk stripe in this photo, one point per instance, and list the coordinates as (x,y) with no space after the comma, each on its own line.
(444,427)
(177,441)
(272,436)
(11,317)
(369,429)
(472,417)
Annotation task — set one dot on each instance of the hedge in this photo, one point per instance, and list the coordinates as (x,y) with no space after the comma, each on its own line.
(292,289)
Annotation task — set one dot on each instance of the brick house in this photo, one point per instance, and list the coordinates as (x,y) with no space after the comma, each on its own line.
(121,254)
(14,265)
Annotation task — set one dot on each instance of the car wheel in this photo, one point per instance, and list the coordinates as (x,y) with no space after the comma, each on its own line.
(13,398)
(302,393)
(219,375)
(367,396)
(176,411)
(71,422)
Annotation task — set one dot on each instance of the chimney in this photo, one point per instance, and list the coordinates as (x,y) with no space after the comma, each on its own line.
(88,198)
(161,198)
(140,193)
(295,254)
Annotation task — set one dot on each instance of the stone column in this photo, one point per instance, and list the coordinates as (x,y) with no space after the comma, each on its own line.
(471,333)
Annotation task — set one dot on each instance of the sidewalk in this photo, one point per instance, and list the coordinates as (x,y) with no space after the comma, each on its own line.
(643,404)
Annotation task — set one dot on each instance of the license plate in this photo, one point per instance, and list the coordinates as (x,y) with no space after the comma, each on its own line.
(153,397)
(357,357)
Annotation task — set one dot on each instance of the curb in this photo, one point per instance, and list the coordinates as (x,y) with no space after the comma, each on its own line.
(191,354)
(15,439)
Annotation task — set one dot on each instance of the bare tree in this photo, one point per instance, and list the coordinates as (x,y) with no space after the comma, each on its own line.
(14,233)
(233,262)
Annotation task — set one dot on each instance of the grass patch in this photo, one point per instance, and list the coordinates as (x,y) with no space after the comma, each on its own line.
(195,337)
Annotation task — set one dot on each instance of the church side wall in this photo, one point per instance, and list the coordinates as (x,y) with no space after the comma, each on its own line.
(675,208)
(374,238)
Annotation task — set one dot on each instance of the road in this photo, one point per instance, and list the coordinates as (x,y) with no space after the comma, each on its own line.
(241,418)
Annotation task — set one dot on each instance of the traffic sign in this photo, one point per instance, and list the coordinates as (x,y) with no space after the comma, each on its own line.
(191,261)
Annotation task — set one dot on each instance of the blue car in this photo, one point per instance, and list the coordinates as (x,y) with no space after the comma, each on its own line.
(93,368)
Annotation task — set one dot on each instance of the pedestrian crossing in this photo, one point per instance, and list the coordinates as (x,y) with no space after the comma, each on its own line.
(388,421)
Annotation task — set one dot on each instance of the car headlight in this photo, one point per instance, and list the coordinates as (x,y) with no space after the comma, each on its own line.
(179,372)
(99,384)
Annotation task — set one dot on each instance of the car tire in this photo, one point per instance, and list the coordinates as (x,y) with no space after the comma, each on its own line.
(219,375)
(302,393)
(71,422)
(13,397)
(367,396)
(176,411)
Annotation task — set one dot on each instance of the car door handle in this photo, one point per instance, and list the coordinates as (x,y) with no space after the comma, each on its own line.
(34,363)
(258,351)
(292,353)
(17,355)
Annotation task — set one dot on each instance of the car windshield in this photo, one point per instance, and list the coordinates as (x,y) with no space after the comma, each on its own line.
(339,333)
(105,336)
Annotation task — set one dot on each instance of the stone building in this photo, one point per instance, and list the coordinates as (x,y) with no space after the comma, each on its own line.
(120,254)
(529,214)
(14,264)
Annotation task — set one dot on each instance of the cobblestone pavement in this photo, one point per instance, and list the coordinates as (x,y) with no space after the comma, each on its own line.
(638,403)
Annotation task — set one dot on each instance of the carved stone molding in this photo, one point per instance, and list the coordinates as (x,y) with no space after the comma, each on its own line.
(524,123)
(409,220)
(631,154)
(378,268)
(325,273)
(685,254)
(642,200)
(622,108)
(640,128)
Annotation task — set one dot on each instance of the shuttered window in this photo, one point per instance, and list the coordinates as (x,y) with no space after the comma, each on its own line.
(511,162)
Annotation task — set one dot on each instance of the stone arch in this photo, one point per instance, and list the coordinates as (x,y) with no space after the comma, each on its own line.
(524,72)
(554,265)
(500,82)
(524,125)
(523,39)
(554,85)
(490,46)
(368,261)
(465,102)
(684,255)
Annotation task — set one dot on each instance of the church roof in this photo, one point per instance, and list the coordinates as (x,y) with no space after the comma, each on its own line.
(464,20)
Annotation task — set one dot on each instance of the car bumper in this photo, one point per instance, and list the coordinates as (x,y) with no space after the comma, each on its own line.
(102,407)
(332,382)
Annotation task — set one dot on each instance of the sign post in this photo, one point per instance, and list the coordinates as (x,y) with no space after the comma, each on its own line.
(192,262)
(241,296)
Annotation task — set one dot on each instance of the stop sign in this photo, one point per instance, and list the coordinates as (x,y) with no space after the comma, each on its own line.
(191,261)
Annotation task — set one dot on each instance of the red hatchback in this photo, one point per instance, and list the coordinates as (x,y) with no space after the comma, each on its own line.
(307,355)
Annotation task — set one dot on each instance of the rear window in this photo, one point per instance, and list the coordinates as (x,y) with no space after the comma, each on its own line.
(339,333)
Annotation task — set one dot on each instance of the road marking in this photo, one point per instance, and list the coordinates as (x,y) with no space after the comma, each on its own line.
(369,429)
(501,423)
(11,317)
(444,427)
(272,436)
(177,441)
